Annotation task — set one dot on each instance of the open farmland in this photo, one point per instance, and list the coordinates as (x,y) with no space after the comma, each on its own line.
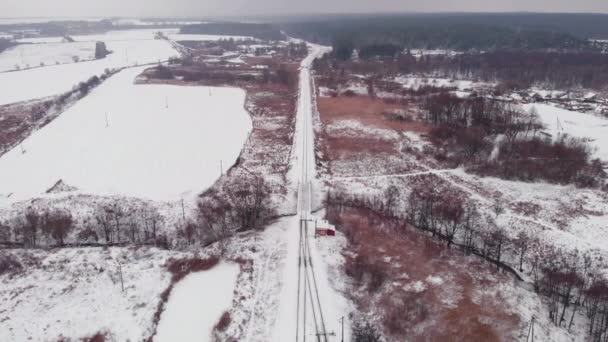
(26,56)
(127,50)
(152,141)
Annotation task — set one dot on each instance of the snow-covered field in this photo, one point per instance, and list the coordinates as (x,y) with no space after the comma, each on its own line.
(562,121)
(53,80)
(196,305)
(117,35)
(35,55)
(129,47)
(76,293)
(158,142)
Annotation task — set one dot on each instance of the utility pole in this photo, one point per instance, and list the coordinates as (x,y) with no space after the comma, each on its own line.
(22,149)
(530,337)
(183,212)
(221,168)
(107,122)
(342,323)
(122,284)
(166,102)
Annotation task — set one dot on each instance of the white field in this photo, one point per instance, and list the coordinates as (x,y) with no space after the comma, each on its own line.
(76,292)
(196,304)
(117,35)
(575,124)
(130,48)
(146,150)
(53,80)
(31,55)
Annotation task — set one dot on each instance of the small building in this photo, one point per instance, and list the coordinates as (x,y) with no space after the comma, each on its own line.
(324,228)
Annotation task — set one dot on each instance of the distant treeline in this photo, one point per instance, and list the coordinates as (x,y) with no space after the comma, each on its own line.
(61,28)
(522,69)
(456,32)
(261,31)
(5,44)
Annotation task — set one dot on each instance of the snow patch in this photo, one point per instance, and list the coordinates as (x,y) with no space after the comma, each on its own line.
(196,305)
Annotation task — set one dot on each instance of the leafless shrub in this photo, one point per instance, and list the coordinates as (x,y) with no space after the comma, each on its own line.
(58,224)
(98,337)
(409,312)
(224,322)
(365,332)
(364,270)
(179,268)
(9,264)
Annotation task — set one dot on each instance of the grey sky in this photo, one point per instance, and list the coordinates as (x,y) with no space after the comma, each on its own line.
(203,8)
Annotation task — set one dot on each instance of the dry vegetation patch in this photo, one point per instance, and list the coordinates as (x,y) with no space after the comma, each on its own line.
(18,120)
(369,111)
(418,287)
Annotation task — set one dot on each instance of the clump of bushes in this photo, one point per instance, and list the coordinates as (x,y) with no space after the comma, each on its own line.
(494,138)
(180,268)
(224,322)
(9,264)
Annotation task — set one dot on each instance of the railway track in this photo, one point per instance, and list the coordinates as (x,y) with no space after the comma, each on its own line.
(310,320)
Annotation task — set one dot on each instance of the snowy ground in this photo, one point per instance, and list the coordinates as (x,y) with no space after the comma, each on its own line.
(129,47)
(53,80)
(76,293)
(561,121)
(110,36)
(158,142)
(416,82)
(196,305)
(35,55)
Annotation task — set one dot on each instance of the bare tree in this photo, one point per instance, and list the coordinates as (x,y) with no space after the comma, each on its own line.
(33,221)
(391,195)
(521,243)
(117,213)
(104,223)
(58,224)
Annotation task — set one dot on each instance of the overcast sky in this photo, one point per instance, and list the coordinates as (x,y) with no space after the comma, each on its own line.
(204,8)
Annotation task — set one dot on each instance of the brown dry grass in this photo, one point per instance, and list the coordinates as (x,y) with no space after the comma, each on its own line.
(407,256)
(346,147)
(369,111)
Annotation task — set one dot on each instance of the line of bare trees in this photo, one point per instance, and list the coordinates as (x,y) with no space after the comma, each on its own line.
(571,281)
(243,203)
(513,69)
(38,227)
(110,224)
